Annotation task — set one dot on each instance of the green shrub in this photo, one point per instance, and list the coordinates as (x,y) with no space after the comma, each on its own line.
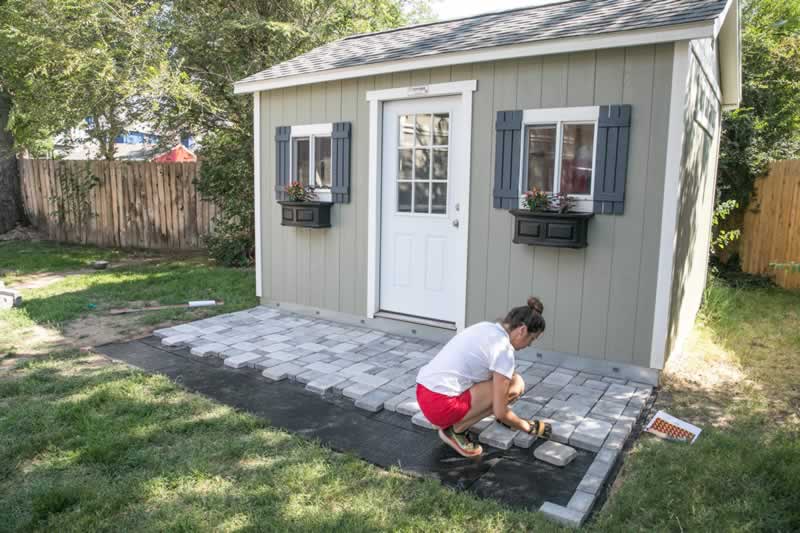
(233,250)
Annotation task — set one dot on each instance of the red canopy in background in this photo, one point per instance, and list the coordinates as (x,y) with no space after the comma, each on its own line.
(179,154)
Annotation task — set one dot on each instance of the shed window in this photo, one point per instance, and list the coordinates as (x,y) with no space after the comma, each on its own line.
(311,157)
(559,146)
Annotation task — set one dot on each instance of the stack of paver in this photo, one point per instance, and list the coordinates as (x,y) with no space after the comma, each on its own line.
(378,371)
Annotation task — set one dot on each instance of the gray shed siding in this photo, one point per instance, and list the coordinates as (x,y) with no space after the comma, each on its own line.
(696,201)
(599,302)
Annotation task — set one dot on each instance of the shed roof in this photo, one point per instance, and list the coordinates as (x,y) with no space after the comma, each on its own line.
(574,18)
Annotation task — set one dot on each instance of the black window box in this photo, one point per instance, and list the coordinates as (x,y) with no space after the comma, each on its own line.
(306,214)
(544,228)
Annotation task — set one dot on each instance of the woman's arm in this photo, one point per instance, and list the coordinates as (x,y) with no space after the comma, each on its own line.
(500,399)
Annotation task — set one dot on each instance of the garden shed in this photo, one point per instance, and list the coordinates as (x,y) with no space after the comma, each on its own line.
(421,142)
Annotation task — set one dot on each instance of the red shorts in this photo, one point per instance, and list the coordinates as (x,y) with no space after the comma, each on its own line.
(442,410)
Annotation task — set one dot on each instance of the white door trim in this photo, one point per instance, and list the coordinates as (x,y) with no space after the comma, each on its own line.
(376,100)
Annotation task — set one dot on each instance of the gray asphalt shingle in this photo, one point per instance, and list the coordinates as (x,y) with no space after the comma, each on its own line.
(566,19)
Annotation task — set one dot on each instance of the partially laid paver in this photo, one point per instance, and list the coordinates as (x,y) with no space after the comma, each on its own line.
(378,371)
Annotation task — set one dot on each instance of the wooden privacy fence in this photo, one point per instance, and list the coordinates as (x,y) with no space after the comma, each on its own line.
(771,232)
(116,203)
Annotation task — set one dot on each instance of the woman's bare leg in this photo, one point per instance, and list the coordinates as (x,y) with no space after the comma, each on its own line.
(481,406)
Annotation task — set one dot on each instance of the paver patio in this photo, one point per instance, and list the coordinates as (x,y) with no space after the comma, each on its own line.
(377,372)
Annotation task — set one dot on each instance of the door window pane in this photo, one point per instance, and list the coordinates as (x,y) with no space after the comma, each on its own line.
(301,160)
(441,129)
(407,130)
(406,166)
(439,198)
(421,197)
(322,161)
(541,146)
(577,159)
(404,197)
(422,164)
(424,130)
(439,163)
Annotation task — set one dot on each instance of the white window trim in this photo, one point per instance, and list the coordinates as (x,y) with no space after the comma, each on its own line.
(558,117)
(310,131)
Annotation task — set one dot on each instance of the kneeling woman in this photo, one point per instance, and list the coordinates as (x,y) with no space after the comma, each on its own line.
(473,377)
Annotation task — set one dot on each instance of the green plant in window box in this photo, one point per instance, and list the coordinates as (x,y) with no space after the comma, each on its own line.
(298,192)
(536,200)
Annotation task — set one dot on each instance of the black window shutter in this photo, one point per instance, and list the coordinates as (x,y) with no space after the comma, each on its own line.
(611,159)
(340,162)
(506,159)
(283,136)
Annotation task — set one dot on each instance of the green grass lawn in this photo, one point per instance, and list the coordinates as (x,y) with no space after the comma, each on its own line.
(87,445)
(137,279)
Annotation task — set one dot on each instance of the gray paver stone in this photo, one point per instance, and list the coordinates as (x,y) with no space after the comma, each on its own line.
(268,363)
(561,430)
(555,453)
(557,378)
(177,340)
(238,361)
(357,390)
(391,373)
(571,413)
(590,434)
(607,409)
(312,347)
(586,392)
(280,372)
(246,346)
(408,408)
(325,368)
(600,468)
(596,384)
(373,401)
(525,409)
(323,384)
(619,393)
(619,381)
(607,455)
(420,420)
(524,440)
(581,501)
(358,368)
(339,387)
(285,356)
(616,438)
(208,349)
(542,393)
(562,515)
(591,484)
(392,403)
(309,375)
(366,379)
(482,424)
(578,401)
(498,435)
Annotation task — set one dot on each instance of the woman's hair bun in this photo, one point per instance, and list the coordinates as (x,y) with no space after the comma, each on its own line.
(536,304)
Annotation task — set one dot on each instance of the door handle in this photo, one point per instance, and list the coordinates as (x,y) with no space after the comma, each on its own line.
(455,223)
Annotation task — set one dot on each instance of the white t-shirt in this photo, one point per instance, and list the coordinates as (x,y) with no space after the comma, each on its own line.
(469,358)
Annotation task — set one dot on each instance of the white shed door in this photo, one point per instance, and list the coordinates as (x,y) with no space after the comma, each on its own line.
(423,186)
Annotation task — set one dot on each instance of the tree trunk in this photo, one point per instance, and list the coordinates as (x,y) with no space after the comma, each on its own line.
(10,192)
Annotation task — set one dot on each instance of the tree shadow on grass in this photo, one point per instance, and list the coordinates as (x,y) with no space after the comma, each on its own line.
(109,447)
